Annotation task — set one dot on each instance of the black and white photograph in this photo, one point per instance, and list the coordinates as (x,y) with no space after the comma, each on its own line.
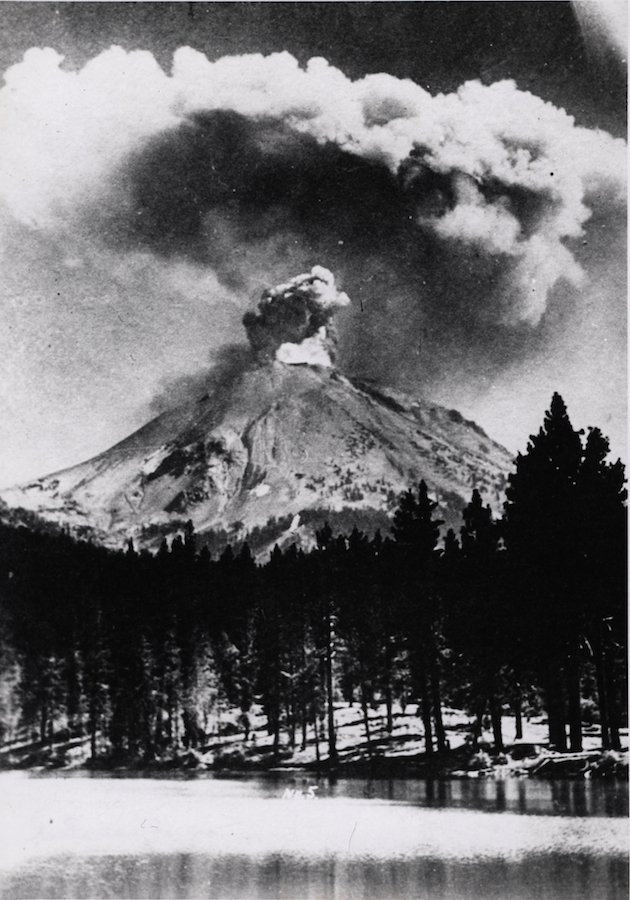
(313,446)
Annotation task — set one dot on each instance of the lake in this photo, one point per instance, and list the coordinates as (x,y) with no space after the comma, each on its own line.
(291,835)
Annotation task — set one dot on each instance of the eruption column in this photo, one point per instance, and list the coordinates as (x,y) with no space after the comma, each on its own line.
(294,320)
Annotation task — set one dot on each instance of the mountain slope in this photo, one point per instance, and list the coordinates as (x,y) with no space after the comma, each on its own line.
(275,441)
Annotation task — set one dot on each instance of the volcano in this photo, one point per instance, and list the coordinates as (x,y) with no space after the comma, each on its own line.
(273,452)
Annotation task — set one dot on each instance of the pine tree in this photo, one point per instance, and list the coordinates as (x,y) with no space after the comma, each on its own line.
(478,620)
(359,621)
(269,645)
(393,672)
(417,533)
(565,533)
(324,623)
(603,577)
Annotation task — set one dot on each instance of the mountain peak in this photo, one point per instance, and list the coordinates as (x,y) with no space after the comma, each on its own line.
(276,447)
(272,454)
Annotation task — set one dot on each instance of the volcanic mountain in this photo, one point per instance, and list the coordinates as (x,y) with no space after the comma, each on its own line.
(275,450)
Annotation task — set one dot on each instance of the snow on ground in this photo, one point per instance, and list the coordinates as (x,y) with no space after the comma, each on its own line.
(225,745)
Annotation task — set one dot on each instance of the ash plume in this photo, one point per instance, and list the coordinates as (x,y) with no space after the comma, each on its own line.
(459,223)
(294,320)
(251,149)
(226,364)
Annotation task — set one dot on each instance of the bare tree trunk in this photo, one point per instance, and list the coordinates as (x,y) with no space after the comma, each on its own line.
(613,707)
(317,756)
(425,707)
(388,707)
(575,710)
(176,715)
(496,718)
(388,686)
(366,719)
(290,707)
(303,699)
(332,740)
(518,713)
(276,738)
(477,727)
(276,717)
(93,727)
(72,694)
(304,727)
(440,734)
(43,723)
(602,696)
(555,713)
(159,715)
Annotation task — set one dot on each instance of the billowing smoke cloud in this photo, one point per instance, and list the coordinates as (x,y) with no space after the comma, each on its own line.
(248,151)
(456,222)
(294,320)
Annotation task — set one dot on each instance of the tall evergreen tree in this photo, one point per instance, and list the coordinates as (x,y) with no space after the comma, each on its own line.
(417,534)
(561,501)
(325,572)
(478,617)
(602,573)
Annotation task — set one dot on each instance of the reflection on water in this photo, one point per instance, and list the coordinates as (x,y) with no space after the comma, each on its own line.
(527,796)
(84,836)
(552,877)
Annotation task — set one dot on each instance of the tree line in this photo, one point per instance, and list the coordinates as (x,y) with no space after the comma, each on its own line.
(143,652)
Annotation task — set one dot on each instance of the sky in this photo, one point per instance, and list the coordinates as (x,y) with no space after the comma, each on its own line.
(460,167)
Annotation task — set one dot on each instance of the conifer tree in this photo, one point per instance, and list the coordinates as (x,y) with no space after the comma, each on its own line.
(603,577)
(417,533)
(269,638)
(325,570)
(478,618)
(359,620)
(565,535)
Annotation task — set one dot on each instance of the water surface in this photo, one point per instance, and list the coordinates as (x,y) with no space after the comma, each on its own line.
(250,837)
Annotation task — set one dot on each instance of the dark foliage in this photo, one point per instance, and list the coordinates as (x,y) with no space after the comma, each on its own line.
(143,653)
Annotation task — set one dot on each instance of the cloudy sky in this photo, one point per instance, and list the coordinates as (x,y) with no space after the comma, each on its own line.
(459,166)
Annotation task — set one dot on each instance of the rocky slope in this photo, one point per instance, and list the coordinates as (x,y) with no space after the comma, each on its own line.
(294,443)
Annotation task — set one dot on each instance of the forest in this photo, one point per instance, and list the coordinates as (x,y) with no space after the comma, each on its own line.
(139,651)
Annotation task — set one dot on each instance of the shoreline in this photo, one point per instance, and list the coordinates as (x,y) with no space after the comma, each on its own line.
(400,753)
(454,765)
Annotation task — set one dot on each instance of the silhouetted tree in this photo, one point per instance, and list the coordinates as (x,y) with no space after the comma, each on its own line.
(564,531)
(479,617)
(417,534)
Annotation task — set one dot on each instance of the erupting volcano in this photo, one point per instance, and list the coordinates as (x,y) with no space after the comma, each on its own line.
(294,320)
(275,448)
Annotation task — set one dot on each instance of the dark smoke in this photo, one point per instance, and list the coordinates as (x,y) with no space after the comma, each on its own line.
(258,202)
(297,312)
(226,364)
(452,220)
(254,177)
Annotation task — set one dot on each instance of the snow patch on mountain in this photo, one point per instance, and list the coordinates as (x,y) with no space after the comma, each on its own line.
(286,439)
(295,443)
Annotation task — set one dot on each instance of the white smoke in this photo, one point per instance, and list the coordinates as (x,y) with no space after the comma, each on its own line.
(312,351)
(604,24)
(520,178)
(294,320)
